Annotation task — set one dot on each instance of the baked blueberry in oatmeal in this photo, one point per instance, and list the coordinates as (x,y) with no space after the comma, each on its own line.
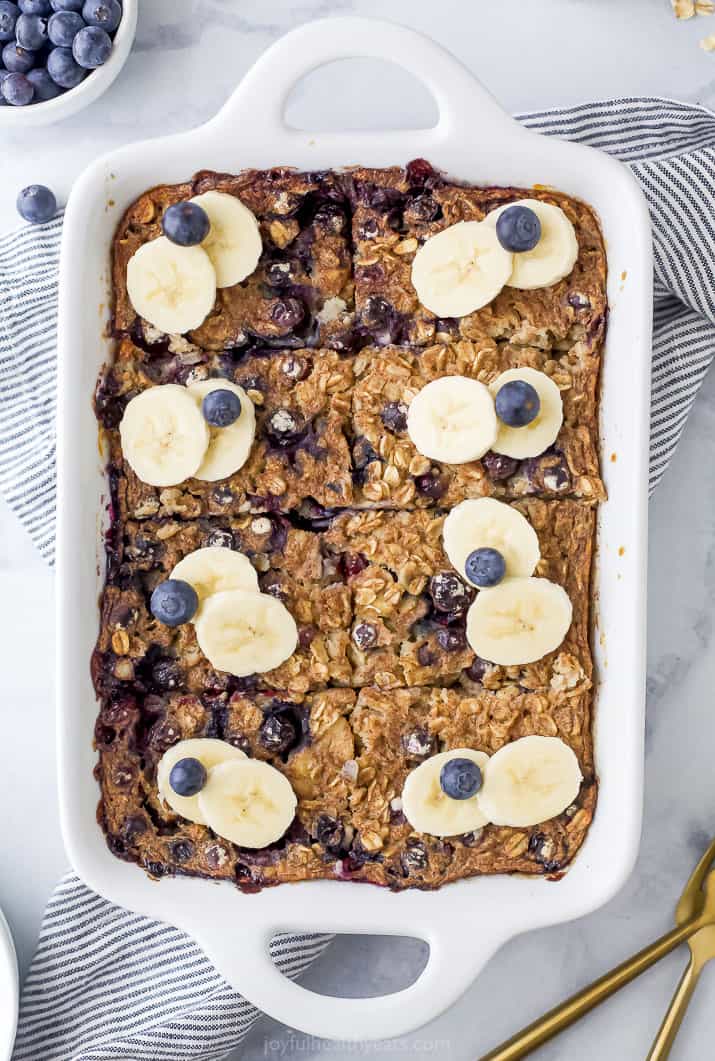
(351,423)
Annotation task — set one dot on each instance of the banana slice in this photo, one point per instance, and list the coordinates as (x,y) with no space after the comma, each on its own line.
(164,436)
(533,438)
(529,781)
(245,633)
(234,240)
(486,523)
(172,287)
(429,810)
(229,447)
(215,569)
(461,269)
(452,419)
(248,802)
(208,751)
(553,257)
(518,621)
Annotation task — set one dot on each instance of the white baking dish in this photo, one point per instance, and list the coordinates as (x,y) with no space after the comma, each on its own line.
(466,922)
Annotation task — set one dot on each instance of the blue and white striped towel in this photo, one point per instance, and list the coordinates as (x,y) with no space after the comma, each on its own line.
(106,984)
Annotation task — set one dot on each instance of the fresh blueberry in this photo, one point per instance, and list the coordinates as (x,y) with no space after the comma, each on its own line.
(62,68)
(91,47)
(107,14)
(187,777)
(9,14)
(518,229)
(460,778)
(31,32)
(221,408)
(517,403)
(43,8)
(66,5)
(485,567)
(174,602)
(186,224)
(63,27)
(17,91)
(36,203)
(44,86)
(16,59)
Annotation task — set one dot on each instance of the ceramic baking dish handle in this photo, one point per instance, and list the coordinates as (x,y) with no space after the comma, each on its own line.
(457,953)
(256,109)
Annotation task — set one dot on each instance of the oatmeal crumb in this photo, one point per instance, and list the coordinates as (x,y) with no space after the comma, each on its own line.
(683,8)
(333,309)
(350,769)
(261,525)
(708,43)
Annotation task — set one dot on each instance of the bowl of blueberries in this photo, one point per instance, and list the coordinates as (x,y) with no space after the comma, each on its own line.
(57,56)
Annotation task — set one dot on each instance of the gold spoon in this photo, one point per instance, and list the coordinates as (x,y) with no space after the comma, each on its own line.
(695,913)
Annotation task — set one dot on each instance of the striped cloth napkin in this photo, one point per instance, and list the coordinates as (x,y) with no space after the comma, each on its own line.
(106,984)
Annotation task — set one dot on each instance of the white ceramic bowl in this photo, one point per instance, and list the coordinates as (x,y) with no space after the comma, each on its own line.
(94,85)
(9,991)
(465,922)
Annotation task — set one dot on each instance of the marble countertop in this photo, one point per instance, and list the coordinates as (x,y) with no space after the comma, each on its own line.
(186,60)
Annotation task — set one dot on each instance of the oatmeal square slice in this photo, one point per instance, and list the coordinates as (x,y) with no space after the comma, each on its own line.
(388,470)
(310,742)
(396,210)
(300,452)
(300,294)
(397,730)
(409,605)
(136,652)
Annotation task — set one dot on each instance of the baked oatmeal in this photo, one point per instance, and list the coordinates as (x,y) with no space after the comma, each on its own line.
(352,431)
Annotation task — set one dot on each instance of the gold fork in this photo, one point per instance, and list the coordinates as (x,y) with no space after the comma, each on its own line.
(702,949)
(695,923)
